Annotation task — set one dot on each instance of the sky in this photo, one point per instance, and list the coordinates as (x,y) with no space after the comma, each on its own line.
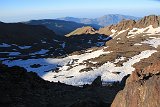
(24,10)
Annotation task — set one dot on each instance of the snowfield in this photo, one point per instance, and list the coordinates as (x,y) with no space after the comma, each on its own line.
(5,45)
(155,42)
(74,77)
(49,64)
(73,69)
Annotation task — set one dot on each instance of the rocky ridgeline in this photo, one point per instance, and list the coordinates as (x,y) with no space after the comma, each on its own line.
(123,25)
(130,24)
(142,89)
(148,20)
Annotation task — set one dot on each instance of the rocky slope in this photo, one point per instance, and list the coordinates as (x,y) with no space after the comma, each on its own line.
(142,89)
(130,24)
(83,30)
(102,21)
(20,88)
(20,33)
(130,48)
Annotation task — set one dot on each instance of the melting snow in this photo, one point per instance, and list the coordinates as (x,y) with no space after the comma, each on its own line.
(113,31)
(5,45)
(50,63)
(153,42)
(11,53)
(100,43)
(45,66)
(137,44)
(119,59)
(42,51)
(63,45)
(80,78)
(24,47)
(115,34)
(148,30)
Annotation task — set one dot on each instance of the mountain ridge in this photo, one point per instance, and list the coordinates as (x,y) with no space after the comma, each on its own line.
(60,27)
(122,25)
(102,21)
(133,49)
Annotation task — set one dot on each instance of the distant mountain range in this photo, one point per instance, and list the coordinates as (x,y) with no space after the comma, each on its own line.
(63,26)
(101,21)
(60,27)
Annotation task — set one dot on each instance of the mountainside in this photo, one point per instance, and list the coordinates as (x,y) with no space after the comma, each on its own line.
(60,27)
(32,45)
(22,33)
(145,22)
(128,49)
(22,41)
(102,21)
(142,89)
(85,58)
(27,89)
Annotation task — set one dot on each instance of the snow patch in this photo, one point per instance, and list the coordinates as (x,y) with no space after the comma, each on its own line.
(119,59)
(63,45)
(11,53)
(5,45)
(24,47)
(148,30)
(45,66)
(42,51)
(153,42)
(113,31)
(137,44)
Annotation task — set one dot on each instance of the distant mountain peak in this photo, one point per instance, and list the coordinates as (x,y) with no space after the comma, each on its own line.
(105,20)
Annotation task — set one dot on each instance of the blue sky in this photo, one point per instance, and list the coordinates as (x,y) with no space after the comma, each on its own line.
(22,10)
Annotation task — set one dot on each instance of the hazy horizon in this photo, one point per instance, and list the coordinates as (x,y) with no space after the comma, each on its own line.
(16,10)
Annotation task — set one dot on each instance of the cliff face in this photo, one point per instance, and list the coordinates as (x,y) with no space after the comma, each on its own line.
(142,89)
(148,20)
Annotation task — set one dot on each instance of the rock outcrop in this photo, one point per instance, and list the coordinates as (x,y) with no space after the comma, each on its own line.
(148,20)
(97,82)
(125,24)
(142,89)
(82,31)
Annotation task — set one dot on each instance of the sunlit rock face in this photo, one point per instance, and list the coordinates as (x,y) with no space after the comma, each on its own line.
(142,89)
